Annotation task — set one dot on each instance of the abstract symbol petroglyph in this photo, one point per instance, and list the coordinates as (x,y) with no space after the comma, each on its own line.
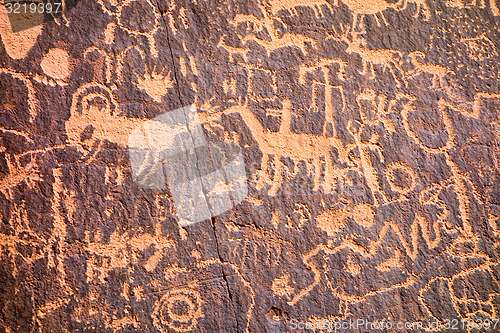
(341,151)
(178,310)
(123,12)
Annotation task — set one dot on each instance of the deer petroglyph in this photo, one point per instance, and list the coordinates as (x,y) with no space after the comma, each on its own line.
(386,58)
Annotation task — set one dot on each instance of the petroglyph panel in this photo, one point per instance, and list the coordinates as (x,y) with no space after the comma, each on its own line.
(361,142)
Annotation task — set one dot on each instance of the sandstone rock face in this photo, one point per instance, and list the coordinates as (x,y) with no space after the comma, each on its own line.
(369,133)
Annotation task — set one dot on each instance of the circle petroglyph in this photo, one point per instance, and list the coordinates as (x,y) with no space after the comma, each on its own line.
(56,63)
(401,178)
(178,310)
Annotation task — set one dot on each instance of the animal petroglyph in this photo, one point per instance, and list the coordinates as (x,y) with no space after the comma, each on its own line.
(373,8)
(313,150)
(387,59)
(285,40)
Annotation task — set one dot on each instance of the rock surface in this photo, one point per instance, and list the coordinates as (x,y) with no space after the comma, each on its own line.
(370,137)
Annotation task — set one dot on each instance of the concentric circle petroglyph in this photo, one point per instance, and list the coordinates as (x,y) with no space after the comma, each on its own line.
(178,310)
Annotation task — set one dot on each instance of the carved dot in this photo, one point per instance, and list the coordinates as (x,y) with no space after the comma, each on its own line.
(56,63)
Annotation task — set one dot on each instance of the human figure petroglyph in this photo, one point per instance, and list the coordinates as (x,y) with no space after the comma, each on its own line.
(323,65)
(49,247)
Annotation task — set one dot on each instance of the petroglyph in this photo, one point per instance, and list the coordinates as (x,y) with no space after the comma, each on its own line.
(95,105)
(387,59)
(155,84)
(150,23)
(167,313)
(374,8)
(260,25)
(369,133)
(405,181)
(57,65)
(437,72)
